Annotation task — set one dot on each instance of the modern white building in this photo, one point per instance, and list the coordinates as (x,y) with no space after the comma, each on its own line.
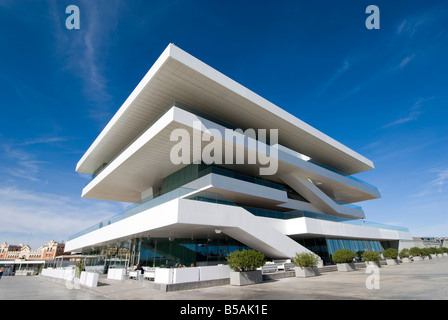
(290,191)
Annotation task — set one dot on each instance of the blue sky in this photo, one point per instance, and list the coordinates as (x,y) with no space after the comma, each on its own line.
(383,93)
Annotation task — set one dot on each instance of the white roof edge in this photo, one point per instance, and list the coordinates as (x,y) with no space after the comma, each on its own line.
(152,71)
(192,62)
(232,85)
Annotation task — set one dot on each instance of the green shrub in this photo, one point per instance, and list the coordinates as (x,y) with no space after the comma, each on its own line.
(343,256)
(245,260)
(404,253)
(426,252)
(416,252)
(303,260)
(444,250)
(79,268)
(371,255)
(390,253)
(432,250)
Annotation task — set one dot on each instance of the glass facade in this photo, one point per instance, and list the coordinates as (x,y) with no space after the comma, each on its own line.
(353,245)
(325,247)
(196,171)
(162,252)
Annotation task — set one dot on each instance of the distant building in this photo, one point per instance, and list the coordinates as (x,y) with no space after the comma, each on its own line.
(430,242)
(48,251)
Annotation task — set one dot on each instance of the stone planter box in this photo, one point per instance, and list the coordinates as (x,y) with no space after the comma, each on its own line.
(417,258)
(245,278)
(433,256)
(306,272)
(373,263)
(445,254)
(346,267)
(439,255)
(116,274)
(392,262)
(406,260)
(89,279)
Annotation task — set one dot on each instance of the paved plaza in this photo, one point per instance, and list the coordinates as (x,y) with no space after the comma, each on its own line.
(423,280)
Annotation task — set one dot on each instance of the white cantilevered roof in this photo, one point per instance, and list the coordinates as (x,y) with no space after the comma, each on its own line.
(176,75)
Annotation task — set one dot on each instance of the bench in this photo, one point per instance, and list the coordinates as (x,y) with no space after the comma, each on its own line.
(149,274)
(135,275)
(288,266)
(269,268)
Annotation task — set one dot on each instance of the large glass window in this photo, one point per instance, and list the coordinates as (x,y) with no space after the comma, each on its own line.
(162,252)
(354,245)
(325,247)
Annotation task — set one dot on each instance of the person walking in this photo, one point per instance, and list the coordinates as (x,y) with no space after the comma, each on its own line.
(1,272)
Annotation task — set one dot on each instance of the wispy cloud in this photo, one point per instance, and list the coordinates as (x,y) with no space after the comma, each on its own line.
(21,162)
(339,72)
(84,51)
(410,25)
(48,216)
(405,61)
(24,166)
(412,115)
(42,141)
(436,185)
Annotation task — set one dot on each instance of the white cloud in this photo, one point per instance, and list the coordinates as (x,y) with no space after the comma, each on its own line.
(42,140)
(409,26)
(25,164)
(413,114)
(83,51)
(436,185)
(410,117)
(405,61)
(339,72)
(48,216)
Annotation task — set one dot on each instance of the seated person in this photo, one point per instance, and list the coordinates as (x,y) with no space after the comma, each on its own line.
(139,267)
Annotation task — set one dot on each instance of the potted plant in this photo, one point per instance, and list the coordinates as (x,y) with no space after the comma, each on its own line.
(444,251)
(391,256)
(79,268)
(344,259)
(416,253)
(306,264)
(426,254)
(372,257)
(432,252)
(405,255)
(244,265)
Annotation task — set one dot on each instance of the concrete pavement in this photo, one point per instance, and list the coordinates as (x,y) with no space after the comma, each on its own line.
(424,280)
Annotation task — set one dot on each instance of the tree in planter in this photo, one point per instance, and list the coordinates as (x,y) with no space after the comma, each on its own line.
(391,255)
(416,253)
(433,252)
(371,256)
(344,259)
(306,264)
(425,253)
(244,265)
(245,260)
(79,268)
(404,255)
(343,256)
